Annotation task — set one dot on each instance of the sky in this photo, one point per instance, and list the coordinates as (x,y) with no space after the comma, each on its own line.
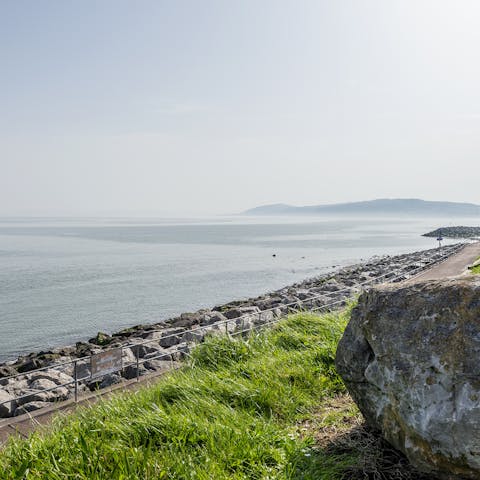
(119,107)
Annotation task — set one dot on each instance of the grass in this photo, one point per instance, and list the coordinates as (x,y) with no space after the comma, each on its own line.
(267,407)
(476,268)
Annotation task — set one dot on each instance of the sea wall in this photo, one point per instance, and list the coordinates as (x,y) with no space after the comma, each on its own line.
(149,348)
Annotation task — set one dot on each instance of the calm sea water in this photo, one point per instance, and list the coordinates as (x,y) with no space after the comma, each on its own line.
(63,280)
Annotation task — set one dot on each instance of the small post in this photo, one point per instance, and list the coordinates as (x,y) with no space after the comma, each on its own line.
(440,239)
(75,376)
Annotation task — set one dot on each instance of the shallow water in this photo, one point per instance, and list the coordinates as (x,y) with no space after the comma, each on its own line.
(62,280)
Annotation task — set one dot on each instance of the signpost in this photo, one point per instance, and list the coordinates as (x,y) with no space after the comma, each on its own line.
(439,240)
(106,362)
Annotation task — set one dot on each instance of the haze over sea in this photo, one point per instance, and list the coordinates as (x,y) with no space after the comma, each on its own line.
(62,280)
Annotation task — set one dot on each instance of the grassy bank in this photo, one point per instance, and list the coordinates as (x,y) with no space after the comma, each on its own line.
(476,269)
(265,408)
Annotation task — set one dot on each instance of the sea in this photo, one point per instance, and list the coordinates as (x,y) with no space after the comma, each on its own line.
(64,279)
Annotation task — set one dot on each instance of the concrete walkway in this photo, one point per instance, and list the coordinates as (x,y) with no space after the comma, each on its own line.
(452,267)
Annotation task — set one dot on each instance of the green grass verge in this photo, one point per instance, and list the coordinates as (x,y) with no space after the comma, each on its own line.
(476,269)
(239,409)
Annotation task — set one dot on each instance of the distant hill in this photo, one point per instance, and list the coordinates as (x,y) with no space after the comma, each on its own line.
(383,206)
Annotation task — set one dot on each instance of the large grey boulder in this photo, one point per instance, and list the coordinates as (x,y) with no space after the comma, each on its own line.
(410,358)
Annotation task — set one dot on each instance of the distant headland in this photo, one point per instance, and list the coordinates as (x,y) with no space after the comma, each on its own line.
(383,206)
(455,232)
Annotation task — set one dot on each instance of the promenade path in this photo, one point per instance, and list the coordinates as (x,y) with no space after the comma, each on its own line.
(452,267)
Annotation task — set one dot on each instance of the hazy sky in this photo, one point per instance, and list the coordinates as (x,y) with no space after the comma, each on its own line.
(181,107)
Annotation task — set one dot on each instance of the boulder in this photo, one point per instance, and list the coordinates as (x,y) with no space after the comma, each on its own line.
(170,337)
(7,371)
(179,352)
(410,359)
(26,364)
(106,381)
(16,386)
(238,312)
(212,317)
(154,335)
(157,365)
(141,351)
(55,376)
(101,339)
(161,354)
(195,336)
(303,294)
(83,349)
(43,390)
(7,408)
(30,407)
(45,386)
(130,371)
(42,384)
(83,369)
(128,356)
(188,320)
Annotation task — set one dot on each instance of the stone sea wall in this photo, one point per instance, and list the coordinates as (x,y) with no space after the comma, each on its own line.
(170,340)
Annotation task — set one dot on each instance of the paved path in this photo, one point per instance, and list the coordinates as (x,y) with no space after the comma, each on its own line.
(452,267)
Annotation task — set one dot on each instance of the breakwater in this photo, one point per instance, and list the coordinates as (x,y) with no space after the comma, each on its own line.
(66,371)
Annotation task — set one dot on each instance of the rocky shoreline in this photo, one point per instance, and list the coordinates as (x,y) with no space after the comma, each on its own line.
(150,348)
